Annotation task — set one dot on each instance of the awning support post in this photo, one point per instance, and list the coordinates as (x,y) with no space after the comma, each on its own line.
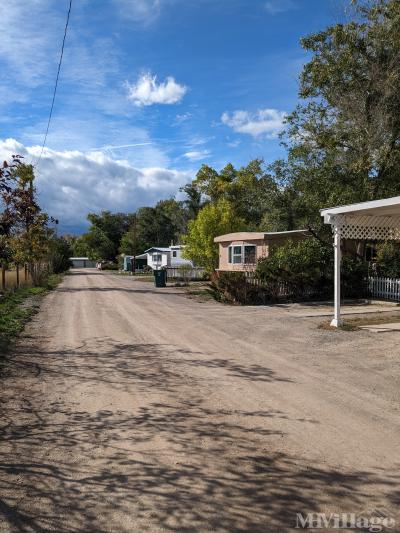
(337,321)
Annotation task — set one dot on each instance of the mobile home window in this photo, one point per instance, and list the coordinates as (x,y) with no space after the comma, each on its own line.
(156,258)
(174,253)
(236,254)
(249,254)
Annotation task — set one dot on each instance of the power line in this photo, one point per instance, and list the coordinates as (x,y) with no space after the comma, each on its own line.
(55,85)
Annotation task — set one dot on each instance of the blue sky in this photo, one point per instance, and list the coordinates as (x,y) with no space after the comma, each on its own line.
(149,90)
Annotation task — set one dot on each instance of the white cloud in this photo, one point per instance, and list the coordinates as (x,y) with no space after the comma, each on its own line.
(268,122)
(279,6)
(146,91)
(141,11)
(234,144)
(73,183)
(184,117)
(26,47)
(197,155)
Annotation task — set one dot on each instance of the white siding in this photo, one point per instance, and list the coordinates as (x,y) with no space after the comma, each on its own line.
(155,264)
(178,260)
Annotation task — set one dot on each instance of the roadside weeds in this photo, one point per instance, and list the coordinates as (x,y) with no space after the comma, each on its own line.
(17,308)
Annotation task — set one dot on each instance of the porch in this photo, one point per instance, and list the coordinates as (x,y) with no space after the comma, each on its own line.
(374,220)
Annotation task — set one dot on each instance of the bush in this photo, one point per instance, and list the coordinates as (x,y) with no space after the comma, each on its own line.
(109,266)
(295,271)
(387,263)
(298,263)
(60,252)
(232,287)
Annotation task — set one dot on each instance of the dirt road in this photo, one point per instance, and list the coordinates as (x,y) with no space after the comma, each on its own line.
(130,409)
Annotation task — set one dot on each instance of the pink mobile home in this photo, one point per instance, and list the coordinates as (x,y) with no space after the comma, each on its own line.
(241,251)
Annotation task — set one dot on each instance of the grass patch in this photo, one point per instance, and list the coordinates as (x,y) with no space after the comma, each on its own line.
(143,278)
(200,292)
(354,323)
(16,308)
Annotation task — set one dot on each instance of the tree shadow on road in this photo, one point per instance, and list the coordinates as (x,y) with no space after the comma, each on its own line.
(180,464)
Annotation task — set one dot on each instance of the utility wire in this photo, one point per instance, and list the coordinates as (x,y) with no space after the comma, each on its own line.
(55,85)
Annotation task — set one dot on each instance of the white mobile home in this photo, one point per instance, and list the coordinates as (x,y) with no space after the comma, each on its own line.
(166,257)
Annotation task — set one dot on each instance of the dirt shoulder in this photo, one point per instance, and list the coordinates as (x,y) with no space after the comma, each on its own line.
(131,408)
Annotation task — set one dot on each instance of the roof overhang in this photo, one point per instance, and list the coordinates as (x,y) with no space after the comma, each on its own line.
(384,207)
(154,249)
(258,235)
(374,220)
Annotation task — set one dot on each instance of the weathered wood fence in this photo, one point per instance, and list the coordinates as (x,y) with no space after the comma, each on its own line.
(186,273)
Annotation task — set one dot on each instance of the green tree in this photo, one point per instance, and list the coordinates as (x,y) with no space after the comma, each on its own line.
(214,219)
(193,202)
(250,190)
(105,233)
(96,245)
(344,140)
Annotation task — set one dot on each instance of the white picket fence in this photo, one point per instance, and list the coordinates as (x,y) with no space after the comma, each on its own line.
(386,288)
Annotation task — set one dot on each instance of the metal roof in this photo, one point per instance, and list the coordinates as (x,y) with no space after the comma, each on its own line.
(157,250)
(141,256)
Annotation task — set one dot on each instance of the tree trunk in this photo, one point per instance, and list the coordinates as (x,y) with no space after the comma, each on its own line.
(17,272)
(3,278)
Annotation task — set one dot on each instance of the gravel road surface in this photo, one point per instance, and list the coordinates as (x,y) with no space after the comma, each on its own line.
(127,408)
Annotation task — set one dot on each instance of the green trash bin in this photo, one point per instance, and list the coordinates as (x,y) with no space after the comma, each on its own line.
(160,278)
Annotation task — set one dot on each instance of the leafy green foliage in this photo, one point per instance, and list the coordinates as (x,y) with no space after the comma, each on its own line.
(16,308)
(307,265)
(232,287)
(213,220)
(344,141)
(132,233)
(59,253)
(299,263)
(388,260)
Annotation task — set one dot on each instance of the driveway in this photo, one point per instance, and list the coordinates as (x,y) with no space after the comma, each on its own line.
(129,409)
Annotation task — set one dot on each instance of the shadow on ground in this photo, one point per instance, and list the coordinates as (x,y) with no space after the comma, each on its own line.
(172,465)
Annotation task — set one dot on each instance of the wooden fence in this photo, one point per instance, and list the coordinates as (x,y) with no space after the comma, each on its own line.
(10,280)
(184,273)
(386,288)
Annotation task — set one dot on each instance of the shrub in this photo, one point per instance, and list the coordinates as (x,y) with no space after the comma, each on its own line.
(109,266)
(232,287)
(387,262)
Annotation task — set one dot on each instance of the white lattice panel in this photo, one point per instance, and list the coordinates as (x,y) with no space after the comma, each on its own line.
(367,227)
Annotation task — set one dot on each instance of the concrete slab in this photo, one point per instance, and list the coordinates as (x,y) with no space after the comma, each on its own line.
(381,328)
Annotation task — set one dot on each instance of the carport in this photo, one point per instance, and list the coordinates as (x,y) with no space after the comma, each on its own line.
(374,220)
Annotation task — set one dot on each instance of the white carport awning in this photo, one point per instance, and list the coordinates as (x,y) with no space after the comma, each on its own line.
(374,220)
(377,219)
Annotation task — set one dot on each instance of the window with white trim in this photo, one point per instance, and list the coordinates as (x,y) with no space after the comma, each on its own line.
(157,258)
(236,255)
